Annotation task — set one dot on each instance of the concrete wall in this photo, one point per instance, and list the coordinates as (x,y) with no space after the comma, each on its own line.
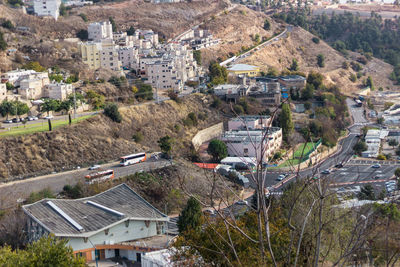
(207,134)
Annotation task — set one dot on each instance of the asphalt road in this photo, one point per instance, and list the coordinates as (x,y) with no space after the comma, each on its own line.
(11,192)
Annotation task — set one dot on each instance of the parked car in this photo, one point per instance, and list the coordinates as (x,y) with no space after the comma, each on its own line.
(340,165)
(376,166)
(8,121)
(327,171)
(15,120)
(209,212)
(48,117)
(94,167)
(32,118)
(281,177)
(242,202)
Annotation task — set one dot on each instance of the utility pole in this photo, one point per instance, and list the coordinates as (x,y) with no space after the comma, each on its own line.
(74,102)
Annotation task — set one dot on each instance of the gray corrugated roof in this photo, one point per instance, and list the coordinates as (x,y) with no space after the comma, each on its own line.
(120,198)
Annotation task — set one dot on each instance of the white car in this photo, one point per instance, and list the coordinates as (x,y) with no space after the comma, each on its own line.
(376,166)
(94,167)
(280,177)
(242,202)
(48,117)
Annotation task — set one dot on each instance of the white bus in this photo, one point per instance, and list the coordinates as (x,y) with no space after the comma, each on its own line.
(132,159)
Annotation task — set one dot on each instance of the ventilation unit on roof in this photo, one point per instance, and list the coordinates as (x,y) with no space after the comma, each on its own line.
(97,205)
(65,216)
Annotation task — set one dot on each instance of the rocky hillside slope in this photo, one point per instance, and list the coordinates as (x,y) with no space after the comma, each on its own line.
(238,28)
(99,139)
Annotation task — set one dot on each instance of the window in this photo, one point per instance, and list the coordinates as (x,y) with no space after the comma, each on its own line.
(110,53)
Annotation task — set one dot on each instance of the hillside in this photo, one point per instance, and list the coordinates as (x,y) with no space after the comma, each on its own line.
(99,139)
(237,28)
(44,41)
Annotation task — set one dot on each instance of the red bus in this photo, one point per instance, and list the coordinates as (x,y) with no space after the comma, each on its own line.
(99,176)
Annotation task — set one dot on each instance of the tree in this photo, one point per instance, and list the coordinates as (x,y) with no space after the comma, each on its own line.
(47,251)
(380,120)
(3,43)
(19,108)
(63,10)
(95,100)
(295,65)
(315,79)
(369,83)
(218,74)
(315,40)
(145,92)
(308,92)
(130,31)
(393,143)
(50,105)
(83,17)
(6,108)
(191,217)
(321,60)
(111,111)
(34,65)
(113,24)
(267,25)
(397,172)
(165,144)
(197,56)
(367,193)
(82,35)
(7,24)
(360,147)
(217,149)
(286,122)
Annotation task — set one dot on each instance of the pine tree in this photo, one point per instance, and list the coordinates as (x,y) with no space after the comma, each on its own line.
(191,216)
(285,119)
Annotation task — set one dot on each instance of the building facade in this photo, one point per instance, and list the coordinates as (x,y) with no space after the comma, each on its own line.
(47,8)
(59,90)
(115,223)
(90,52)
(100,30)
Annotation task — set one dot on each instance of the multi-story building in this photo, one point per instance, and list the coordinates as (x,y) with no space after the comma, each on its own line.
(31,87)
(293,81)
(244,69)
(253,143)
(268,93)
(3,91)
(98,31)
(115,223)
(109,55)
(15,76)
(90,52)
(59,90)
(47,8)
(163,75)
(129,57)
(251,122)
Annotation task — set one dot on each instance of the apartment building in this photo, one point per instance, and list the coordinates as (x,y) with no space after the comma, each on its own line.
(47,8)
(129,226)
(3,92)
(253,143)
(98,31)
(129,57)
(163,75)
(109,58)
(58,90)
(293,81)
(15,76)
(90,53)
(250,122)
(31,87)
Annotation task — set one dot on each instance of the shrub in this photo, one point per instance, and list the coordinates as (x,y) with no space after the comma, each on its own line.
(138,137)
(84,17)
(238,109)
(315,40)
(7,24)
(111,111)
(216,102)
(381,157)
(83,35)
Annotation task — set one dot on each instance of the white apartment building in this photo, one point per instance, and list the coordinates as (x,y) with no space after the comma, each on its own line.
(252,143)
(15,76)
(31,87)
(3,91)
(59,90)
(249,122)
(100,30)
(47,8)
(163,75)
(129,57)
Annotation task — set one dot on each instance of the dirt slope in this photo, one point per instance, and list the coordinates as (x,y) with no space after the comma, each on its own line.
(99,139)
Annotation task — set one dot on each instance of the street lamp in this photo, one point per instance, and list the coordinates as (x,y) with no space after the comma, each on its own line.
(95,256)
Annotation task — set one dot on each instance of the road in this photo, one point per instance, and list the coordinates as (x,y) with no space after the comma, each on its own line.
(365,14)
(344,156)
(11,192)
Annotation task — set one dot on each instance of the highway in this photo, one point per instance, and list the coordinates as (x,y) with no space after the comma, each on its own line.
(11,192)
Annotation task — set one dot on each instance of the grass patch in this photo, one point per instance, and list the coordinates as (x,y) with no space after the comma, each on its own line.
(307,149)
(40,127)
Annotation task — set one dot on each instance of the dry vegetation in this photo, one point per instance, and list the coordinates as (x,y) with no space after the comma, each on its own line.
(100,139)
